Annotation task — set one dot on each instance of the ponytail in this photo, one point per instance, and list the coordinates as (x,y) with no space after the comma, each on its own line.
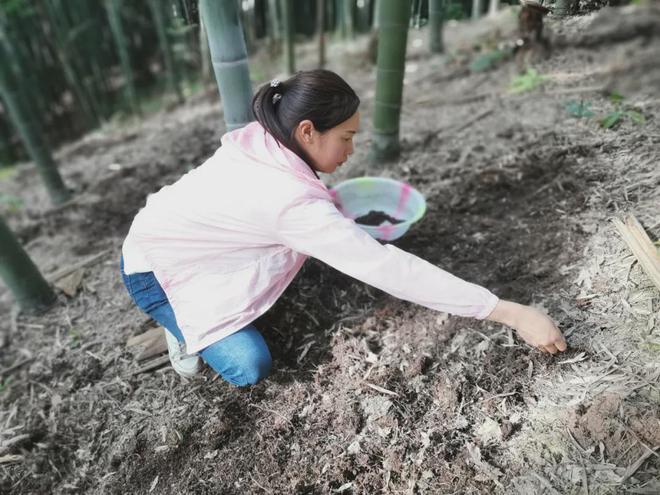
(320,96)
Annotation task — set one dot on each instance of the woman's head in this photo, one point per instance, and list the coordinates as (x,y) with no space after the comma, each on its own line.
(313,113)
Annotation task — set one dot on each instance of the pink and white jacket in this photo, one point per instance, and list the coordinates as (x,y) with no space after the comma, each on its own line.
(227,238)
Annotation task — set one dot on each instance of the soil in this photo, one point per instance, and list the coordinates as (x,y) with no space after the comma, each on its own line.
(371,394)
(376,218)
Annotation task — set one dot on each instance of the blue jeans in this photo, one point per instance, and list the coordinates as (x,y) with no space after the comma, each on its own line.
(241,358)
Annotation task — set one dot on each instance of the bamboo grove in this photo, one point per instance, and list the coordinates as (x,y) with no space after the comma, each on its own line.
(68,66)
(78,63)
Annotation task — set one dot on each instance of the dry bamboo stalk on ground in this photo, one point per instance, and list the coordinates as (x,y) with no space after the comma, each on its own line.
(153,364)
(53,277)
(641,246)
(152,343)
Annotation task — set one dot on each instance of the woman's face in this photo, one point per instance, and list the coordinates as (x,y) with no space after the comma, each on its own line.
(330,149)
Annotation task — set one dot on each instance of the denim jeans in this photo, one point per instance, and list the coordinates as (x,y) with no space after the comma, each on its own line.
(241,358)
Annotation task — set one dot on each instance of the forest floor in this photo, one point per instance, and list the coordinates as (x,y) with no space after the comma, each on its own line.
(371,394)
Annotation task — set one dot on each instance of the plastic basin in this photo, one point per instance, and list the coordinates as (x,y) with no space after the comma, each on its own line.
(357,197)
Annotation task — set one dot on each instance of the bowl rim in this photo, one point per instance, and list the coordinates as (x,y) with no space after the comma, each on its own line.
(413,190)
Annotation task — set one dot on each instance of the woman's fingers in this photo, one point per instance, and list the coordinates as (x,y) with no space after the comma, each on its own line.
(550,348)
(560,344)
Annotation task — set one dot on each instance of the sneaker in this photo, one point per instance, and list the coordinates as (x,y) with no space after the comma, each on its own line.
(187,365)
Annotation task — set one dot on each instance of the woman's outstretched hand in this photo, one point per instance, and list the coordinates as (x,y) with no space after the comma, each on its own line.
(532,325)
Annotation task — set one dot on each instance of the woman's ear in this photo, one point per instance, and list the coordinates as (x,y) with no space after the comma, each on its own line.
(305,131)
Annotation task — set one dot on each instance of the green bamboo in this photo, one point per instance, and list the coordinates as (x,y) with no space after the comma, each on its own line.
(362,17)
(156,7)
(289,47)
(340,19)
(349,22)
(477,7)
(24,60)
(6,152)
(394,16)
(90,44)
(274,16)
(229,57)
(247,20)
(27,127)
(320,27)
(113,8)
(21,275)
(436,21)
(60,29)
(204,55)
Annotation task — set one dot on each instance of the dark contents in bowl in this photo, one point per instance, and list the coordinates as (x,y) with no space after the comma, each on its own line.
(375,218)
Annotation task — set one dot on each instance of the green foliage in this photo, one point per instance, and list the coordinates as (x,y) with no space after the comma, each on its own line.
(528,81)
(74,335)
(490,59)
(615,97)
(617,116)
(13,203)
(611,119)
(454,11)
(579,109)
(4,384)
(16,7)
(620,113)
(582,109)
(7,172)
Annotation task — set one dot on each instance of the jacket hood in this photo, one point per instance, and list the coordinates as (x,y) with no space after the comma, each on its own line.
(254,142)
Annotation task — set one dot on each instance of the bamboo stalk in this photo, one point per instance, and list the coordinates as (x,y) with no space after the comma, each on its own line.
(26,124)
(641,246)
(289,48)
(113,9)
(320,27)
(436,21)
(274,16)
(204,54)
(21,275)
(60,27)
(477,7)
(171,72)
(394,16)
(230,63)
(349,20)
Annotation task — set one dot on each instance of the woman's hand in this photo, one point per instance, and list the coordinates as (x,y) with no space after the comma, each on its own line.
(533,326)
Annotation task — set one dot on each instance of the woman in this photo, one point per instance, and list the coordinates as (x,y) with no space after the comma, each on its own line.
(210,253)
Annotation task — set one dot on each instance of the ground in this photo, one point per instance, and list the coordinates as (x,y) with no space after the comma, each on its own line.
(369,393)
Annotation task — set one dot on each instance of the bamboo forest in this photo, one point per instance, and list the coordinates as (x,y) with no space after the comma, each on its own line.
(330,247)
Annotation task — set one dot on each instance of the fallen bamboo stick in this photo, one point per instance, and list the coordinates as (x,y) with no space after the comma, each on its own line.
(150,343)
(153,364)
(641,246)
(53,277)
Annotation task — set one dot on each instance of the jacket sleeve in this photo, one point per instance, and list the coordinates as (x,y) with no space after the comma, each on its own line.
(316,228)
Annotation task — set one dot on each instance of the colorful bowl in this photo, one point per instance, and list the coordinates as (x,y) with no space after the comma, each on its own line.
(357,197)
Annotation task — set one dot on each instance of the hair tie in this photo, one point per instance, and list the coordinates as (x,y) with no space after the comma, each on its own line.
(276,97)
(275,83)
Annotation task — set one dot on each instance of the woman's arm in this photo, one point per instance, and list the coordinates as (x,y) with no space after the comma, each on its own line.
(534,327)
(316,228)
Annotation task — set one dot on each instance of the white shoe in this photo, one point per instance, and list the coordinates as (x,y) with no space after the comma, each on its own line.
(187,365)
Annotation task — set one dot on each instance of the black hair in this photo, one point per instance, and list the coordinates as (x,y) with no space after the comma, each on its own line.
(319,95)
